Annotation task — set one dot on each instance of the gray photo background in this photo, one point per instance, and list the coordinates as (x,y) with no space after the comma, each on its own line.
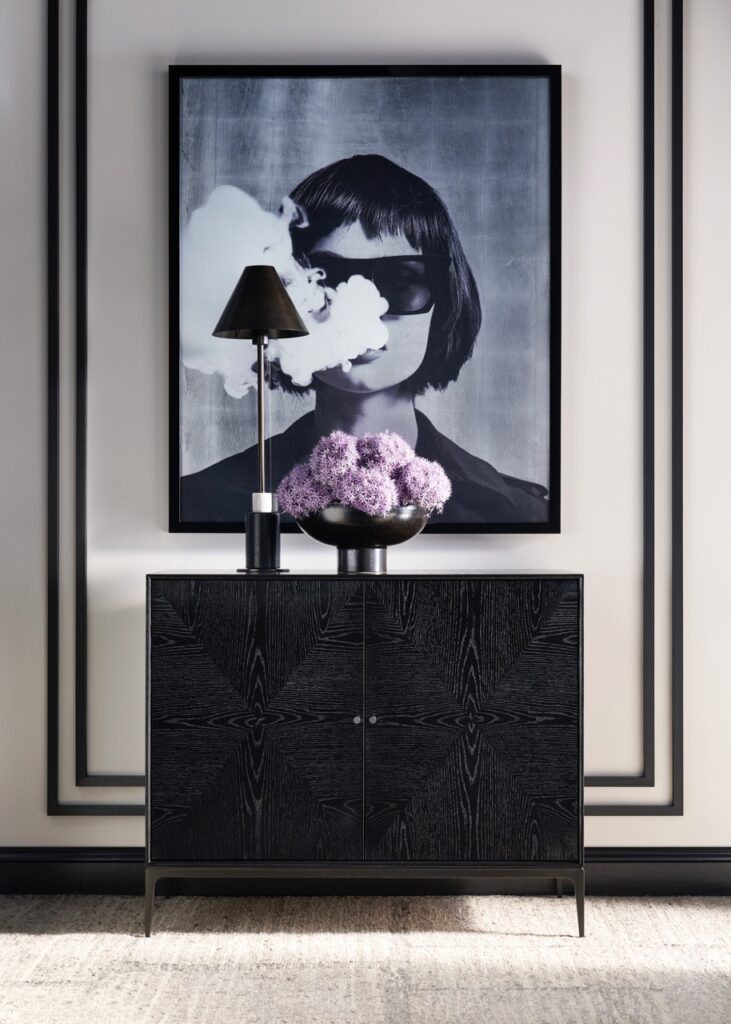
(483,144)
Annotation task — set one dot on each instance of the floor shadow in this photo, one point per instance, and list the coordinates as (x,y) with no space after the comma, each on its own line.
(278,915)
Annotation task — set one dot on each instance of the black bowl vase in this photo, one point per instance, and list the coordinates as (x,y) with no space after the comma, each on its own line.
(361,539)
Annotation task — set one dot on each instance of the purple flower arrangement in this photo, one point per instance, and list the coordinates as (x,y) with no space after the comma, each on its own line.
(374,474)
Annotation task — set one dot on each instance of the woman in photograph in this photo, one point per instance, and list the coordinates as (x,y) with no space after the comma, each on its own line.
(366,215)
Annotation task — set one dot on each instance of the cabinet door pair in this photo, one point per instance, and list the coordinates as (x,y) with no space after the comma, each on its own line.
(393,720)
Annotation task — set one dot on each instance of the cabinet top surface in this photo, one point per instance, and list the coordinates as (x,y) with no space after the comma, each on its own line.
(422,574)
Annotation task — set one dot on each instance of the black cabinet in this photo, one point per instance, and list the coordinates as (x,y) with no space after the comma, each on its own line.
(419,725)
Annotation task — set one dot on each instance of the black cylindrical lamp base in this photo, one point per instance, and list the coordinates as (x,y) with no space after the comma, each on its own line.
(262,542)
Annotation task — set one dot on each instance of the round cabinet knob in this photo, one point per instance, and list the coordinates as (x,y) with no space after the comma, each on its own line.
(357,720)
(373,719)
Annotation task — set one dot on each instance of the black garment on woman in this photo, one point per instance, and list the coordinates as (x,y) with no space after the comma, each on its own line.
(221,493)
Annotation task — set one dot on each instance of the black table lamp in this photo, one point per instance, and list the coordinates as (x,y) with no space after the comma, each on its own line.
(260,309)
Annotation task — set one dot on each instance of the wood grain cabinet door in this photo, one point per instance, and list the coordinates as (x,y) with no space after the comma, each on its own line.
(472,720)
(253,749)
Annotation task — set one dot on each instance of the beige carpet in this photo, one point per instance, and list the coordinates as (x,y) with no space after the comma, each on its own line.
(342,960)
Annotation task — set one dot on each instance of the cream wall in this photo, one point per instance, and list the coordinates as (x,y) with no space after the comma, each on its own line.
(598,45)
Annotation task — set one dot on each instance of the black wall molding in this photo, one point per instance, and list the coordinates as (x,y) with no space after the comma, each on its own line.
(72,854)
(84,778)
(617,871)
(54,806)
(658,854)
(647,778)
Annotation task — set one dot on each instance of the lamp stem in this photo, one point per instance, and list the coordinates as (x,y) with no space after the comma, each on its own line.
(260,340)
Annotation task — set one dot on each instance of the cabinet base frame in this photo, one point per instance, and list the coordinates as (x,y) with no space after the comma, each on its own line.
(573,873)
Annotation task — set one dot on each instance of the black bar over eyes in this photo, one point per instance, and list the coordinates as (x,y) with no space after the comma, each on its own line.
(410,284)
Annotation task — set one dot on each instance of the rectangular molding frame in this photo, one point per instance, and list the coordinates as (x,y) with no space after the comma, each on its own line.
(647,777)
(54,806)
(109,780)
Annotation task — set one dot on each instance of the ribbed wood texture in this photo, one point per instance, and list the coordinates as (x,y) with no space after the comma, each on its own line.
(474,754)
(254,685)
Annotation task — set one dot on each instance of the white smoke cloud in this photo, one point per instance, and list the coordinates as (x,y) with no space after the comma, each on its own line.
(232,231)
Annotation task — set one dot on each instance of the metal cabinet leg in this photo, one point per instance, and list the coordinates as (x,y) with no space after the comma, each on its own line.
(150,881)
(579,889)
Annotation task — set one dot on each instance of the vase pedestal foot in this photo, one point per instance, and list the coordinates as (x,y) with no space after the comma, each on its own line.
(370,560)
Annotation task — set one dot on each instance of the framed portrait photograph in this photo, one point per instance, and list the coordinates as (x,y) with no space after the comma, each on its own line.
(413,214)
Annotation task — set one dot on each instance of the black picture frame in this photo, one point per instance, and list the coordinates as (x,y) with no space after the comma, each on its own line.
(552,75)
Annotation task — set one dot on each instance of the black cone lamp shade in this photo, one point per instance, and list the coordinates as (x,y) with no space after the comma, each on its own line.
(259,304)
(260,309)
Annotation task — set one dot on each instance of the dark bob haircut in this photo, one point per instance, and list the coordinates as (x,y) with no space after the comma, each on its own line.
(389,200)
